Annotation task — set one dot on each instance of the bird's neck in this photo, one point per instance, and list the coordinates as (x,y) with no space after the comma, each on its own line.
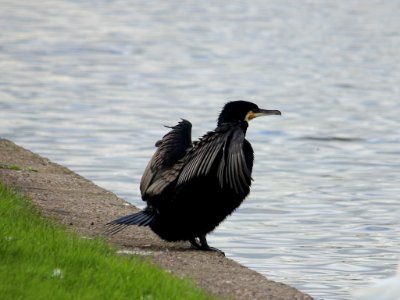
(226,125)
(244,125)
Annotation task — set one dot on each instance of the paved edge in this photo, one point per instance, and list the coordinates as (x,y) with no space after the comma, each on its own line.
(84,207)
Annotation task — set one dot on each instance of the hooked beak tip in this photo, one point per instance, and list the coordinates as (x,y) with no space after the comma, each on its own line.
(270,112)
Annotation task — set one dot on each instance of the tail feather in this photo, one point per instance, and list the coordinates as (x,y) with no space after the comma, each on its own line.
(142,218)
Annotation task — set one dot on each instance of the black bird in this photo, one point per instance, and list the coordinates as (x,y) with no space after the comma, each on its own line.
(190,188)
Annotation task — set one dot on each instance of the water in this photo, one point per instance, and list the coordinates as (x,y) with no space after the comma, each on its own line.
(90,85)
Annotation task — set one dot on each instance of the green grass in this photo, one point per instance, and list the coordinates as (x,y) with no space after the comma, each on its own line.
(40,260)
(16,168)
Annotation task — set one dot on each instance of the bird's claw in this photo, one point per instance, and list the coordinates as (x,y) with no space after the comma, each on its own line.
(204,246)
(208,248)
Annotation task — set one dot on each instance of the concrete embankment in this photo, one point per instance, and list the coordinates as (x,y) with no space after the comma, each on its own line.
(84,207)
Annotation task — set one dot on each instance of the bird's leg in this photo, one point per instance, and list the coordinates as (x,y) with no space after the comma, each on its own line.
(205,247)
(195,244)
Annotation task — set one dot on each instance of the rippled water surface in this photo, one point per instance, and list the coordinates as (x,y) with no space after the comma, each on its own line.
(90,85)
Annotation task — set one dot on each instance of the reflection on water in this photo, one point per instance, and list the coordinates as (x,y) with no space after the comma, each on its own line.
(91,84)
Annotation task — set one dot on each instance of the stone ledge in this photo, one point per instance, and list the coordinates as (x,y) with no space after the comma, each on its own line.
(85,207)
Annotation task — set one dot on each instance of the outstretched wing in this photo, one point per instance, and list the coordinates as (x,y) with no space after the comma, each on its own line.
(170,149)
(223,149)
(233,169)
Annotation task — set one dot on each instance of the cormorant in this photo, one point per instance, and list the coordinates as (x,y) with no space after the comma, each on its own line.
(191,187)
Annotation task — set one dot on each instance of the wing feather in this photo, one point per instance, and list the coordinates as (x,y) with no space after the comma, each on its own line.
(161,170)
(234,172)
(227,146)
(237,174)
(201,157)
(209,158)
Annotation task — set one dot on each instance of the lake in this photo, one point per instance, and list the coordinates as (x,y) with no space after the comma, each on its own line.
(90,85)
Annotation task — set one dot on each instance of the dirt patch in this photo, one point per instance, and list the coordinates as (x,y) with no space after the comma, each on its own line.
(85,207)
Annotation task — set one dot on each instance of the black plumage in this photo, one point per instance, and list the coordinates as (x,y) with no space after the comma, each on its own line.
(191,187)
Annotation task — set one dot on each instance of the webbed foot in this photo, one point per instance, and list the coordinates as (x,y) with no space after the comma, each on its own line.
(201,244)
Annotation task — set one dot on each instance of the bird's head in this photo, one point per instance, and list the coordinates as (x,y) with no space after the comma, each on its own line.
(243,111)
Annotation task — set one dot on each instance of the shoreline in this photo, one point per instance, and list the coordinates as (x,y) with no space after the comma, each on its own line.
(84,207)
